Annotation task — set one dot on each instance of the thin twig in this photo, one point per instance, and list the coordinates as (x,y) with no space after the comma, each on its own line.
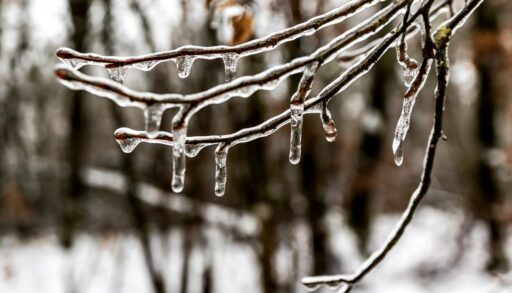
(253,47)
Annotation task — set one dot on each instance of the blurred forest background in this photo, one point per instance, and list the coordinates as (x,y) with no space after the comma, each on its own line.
(78,215)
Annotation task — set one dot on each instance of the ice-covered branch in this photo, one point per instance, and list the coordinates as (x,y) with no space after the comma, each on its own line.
(418,15)
(442,37)
(313,105)
(154,105)
(241,87)
(184,56)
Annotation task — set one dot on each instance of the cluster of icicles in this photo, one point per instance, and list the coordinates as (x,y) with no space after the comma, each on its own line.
(414,79)
(153,115)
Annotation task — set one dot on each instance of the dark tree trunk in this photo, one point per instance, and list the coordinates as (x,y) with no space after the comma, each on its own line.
(488,59)
(135,205)
(72,212)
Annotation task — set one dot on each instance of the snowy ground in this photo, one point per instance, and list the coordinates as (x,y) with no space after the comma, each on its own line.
(419,263)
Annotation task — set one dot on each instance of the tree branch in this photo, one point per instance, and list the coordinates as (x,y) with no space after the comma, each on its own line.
(441,37)
(250,48)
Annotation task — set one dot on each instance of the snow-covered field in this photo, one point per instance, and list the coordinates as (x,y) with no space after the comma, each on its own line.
(114,263)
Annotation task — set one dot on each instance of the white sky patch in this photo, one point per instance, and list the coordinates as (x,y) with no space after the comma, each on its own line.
(49,21)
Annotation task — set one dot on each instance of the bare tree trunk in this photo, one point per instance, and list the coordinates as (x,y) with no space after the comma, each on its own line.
(135,205)
(73,198)
(488,59)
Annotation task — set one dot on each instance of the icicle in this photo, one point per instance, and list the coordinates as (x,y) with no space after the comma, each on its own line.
(184,65)
(179,133)
(221,171)
(409,65)
(404,121)
(328,124)
(401,129)
(128,144)
(117,73)
(230,63)
(153,118)
(297,111)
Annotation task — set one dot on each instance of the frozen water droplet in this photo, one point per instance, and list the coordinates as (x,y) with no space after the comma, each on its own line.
(128,144)
(296,121)
(193,150)
(398,151)
(328,124)
(178,182)
(330,131)
(230,64)
(179,161)
(184,65)
(221,171)
(153,118)
(117,73)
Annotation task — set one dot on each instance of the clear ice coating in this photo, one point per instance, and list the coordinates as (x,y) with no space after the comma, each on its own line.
(178,157)
(297,111)
(401,130)
(328,124)
(408,64)
(117,73)
(230,64)
(221,171)
(128,144)
(402,126)
(398,151)
(153,118)
(184,65)
(193,150)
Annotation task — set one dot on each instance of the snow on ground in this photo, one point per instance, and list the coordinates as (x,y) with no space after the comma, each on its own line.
(114,263)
